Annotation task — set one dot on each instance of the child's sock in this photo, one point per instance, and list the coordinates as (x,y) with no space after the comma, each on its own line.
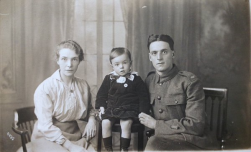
(125,143)
(108,143)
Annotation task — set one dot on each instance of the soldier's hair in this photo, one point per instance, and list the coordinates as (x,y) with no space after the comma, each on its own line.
(161,37)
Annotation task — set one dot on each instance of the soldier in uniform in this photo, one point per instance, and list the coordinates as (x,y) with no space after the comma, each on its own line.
(177,99)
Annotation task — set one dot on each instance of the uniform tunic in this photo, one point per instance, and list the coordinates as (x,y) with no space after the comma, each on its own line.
(179,108)
(58,106)
(123,99)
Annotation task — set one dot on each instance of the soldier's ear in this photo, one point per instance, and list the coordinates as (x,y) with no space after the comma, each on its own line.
(150,57)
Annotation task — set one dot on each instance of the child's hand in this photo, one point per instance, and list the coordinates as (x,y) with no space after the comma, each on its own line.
(102,111)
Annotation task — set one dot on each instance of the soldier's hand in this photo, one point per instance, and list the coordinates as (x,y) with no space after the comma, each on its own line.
(147,120)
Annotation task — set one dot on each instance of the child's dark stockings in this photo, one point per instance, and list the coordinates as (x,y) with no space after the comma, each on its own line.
(108,143)
(125,143)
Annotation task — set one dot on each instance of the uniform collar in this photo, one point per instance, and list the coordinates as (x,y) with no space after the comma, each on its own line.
(172,73)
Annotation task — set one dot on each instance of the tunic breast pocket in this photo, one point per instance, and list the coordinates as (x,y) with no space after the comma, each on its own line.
(175,105)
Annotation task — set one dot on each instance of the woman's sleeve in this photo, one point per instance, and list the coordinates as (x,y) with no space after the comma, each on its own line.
(91,111)
(102,94)
(43,111)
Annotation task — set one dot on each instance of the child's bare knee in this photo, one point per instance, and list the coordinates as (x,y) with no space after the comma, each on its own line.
(126,124)
(106,123)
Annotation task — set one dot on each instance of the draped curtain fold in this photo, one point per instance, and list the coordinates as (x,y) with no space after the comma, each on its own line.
(177,18)
(44,29)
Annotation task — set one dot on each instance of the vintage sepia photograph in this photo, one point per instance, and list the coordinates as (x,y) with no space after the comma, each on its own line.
(125,75)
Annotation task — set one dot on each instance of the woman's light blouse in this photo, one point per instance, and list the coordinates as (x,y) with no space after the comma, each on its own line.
(53,98)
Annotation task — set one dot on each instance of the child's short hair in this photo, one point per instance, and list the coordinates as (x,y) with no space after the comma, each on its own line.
(115,52)
(70,44)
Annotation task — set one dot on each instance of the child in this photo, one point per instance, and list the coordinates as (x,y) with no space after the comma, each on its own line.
(121,97)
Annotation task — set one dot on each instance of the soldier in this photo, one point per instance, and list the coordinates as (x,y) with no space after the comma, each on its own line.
(177,99)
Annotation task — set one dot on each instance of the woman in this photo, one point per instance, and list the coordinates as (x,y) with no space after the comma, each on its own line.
(60,100)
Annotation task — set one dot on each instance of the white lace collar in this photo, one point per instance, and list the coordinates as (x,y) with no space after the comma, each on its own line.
(122,79)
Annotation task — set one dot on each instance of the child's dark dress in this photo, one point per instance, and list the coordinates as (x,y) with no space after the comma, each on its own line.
(123,99)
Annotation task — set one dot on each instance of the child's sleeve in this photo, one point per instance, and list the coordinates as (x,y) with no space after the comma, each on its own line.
(144,98)
(102,94)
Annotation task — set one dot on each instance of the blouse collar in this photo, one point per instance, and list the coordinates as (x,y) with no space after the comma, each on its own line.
(56,75)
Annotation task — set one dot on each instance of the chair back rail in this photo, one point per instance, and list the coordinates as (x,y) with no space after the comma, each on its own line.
(24,121)
(216,110)
(29,126)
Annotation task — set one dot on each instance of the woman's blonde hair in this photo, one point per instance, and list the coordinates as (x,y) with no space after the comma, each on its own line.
(70,44)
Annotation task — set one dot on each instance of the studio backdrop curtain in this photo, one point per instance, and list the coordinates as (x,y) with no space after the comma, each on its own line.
(177,18)
(45,23)
(211,40)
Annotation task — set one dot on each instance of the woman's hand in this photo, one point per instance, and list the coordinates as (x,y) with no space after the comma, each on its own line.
(147,120)
(73,147)
(90,129)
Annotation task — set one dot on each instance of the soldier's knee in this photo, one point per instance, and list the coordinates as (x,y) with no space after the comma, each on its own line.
(152,143)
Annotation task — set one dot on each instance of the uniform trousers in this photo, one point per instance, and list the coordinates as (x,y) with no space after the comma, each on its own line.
(169,142)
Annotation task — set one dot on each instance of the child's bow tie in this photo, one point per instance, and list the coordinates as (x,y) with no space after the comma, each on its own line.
(122,79)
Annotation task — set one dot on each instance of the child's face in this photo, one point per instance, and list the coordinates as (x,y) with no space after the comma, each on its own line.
(121,64)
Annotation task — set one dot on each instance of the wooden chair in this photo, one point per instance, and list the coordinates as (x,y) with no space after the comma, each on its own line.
(216,110)
(136,128)
(24,120)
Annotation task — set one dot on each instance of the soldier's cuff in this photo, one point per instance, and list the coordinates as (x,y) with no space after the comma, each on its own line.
(168,127)
(158,127)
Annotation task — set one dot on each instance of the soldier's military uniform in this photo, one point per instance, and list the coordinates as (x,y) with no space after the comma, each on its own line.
(178,103)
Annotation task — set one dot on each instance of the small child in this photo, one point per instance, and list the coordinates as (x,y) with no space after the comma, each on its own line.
(121,97)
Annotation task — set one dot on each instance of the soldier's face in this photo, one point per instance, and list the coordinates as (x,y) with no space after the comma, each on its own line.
(161,56)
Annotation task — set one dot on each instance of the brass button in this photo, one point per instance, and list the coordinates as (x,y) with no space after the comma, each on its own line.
(159,97)
(160,110)
(176,102)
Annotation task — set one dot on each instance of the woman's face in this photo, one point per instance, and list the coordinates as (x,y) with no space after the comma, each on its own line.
(68,62)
